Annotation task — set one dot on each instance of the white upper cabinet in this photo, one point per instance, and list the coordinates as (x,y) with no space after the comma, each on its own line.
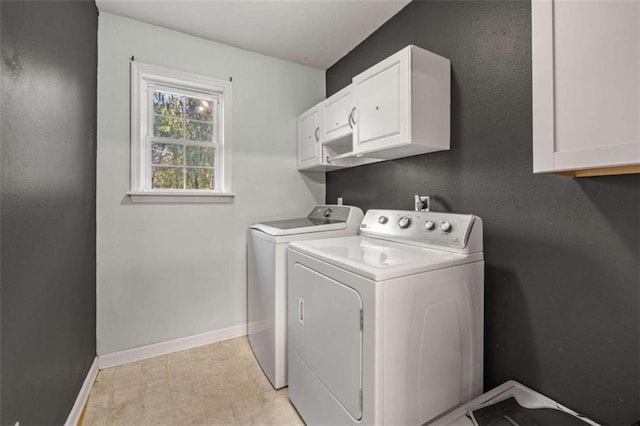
(336,116)
(336,127)
(313,155)
(586,86)
(402,105)
(309,147)
(397,108)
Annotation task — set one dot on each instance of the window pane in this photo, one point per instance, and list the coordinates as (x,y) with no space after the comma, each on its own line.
(200,156)
(199,109)
(199,178)
(167,104)
(167,177)
(166,153)
(168,127)
(197,131)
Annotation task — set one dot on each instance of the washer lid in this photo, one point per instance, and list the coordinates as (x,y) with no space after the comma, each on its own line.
(301,225)
(378,259)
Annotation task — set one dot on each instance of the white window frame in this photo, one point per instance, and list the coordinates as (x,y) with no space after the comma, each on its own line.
(145,79)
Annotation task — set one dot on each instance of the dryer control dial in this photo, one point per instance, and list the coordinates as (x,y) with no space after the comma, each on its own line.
(429,224)
(445,226)
(404,222)
(327,212)
(383,219)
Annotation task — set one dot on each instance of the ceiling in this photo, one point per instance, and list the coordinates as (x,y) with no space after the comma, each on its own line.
(310,32)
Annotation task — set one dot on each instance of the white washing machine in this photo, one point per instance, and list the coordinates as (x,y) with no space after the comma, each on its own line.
(267,277)
(387,327)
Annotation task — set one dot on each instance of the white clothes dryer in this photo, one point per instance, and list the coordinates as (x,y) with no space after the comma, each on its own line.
(387,327)
(267,278)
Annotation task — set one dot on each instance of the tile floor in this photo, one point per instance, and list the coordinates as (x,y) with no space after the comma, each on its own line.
(218,384)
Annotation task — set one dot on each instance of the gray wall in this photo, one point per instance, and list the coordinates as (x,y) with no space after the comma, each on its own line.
(47,279)
(562,274)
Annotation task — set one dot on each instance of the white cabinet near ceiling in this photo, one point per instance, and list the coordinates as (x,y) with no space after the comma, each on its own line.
(335,115)
(402,105)
(312,154)
(586,87)
(309,147)
(397,108)
(336,128)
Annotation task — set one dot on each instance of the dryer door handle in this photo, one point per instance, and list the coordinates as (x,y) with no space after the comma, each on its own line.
(301,311)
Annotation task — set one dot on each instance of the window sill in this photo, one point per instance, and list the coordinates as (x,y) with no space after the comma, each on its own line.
(179,197)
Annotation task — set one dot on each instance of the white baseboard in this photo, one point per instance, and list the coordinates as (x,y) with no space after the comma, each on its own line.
(169,346)
(83,395)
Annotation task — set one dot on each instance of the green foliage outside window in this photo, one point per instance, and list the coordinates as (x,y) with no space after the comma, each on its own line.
(179,165)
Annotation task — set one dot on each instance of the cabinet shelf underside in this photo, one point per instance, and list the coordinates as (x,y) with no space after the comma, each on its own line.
(603,171)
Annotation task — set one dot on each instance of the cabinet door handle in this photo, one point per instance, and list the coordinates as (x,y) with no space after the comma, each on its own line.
(352,118)
(316,133)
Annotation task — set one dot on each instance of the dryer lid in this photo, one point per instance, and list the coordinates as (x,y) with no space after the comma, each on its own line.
(378,259)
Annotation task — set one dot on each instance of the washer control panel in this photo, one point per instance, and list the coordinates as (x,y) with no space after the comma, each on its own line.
(330,212)
(436,228)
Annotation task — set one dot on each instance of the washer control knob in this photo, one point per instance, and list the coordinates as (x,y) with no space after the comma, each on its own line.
(327,212)
(445,226)
(429,225)
(404,222)
(383,219)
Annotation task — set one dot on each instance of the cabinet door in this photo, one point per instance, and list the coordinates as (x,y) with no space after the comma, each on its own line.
(327,333)
(586,84)
(335,114)
(309,139)
(381,99)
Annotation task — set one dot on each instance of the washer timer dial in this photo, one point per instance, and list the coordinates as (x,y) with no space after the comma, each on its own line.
(445,226)
(404,222)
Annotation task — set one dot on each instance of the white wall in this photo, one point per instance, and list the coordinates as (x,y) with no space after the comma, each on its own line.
(173,270)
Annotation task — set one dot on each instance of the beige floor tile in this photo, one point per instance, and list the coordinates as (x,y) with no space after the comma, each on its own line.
(158,401)
(261,384)
(95,418)
(250,406)
(190,412)
(127,369)
(179,357)
(158,418)
(154,372)
(203,353)
(126,380)
(126,395)
(107,373)
(99,401)
(218,384)
(216,397)
(103,383)
(271,399)
(221,414)
(155,362)
(284,415)
(129,413)
(154,385)
(182,391)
